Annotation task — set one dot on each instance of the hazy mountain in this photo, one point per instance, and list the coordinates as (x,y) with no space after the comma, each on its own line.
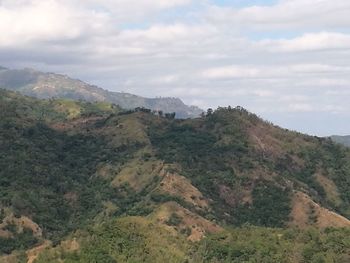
(50,85)
(345,140)
(89,182)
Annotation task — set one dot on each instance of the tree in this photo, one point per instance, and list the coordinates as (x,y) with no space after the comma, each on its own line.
(170,116)
(209,112)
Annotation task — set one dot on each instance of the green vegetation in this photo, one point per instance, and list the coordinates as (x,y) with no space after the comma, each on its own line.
(174,220)
(94,172)
(213,151)
(131,239)
(138,240)
(271,207)
(252,244)
(23,240)
(48,175)
(218,152)
(46,168)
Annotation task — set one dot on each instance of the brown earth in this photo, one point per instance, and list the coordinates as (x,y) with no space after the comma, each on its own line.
(9,259)
(21,223)
(33,253)
(240,195)
(138,173)
(196,225)
(306,212)
(330,188)
(274,142)
(180,186)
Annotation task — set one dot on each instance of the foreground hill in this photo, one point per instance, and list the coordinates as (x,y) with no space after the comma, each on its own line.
(89,182)
(49,85)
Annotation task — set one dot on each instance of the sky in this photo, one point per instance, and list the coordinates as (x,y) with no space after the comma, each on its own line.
(286,60)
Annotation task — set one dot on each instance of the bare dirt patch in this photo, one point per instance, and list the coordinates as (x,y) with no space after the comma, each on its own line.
(33,253)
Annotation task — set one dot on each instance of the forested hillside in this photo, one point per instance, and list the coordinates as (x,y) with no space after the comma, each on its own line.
(90,182)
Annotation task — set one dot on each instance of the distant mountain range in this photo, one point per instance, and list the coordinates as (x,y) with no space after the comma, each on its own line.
(345,140)
(50,85)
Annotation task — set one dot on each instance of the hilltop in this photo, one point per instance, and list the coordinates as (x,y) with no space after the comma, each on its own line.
(91,182)
(50,85)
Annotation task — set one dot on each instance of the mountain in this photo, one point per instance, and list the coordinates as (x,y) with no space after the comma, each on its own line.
(91,182)
(49,85)
(345,140)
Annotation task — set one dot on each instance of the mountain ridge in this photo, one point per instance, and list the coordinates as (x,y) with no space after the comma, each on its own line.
(51,85)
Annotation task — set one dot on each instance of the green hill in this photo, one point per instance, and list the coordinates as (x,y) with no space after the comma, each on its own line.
(90,182)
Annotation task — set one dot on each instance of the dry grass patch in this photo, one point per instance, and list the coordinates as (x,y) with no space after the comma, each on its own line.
(193,225)
(21,223)
(306,212)
(275,142)
(34,253)
(125,130)
(330,188)
(139,173)
(180,186)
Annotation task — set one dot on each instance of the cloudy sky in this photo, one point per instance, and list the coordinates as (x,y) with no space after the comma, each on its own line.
(286,60)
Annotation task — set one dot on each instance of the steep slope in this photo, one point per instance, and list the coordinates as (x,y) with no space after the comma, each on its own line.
(94,182)
(251,169)
(305,212)
(49,85)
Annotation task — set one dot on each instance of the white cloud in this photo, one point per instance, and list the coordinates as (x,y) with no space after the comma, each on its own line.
(146,6)
(264,93)
(165,80)
(124,11)
(166,33)
(232,72)
(28,21)
(287,14)
(310,42)
(300,107)
(292,56)
(270,72)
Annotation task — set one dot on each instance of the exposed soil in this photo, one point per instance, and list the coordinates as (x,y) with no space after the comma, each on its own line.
(305,212)
(196,225)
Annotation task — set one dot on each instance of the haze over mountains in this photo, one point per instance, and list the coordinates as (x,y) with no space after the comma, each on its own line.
(345,140)
(50,85)
(44,85)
